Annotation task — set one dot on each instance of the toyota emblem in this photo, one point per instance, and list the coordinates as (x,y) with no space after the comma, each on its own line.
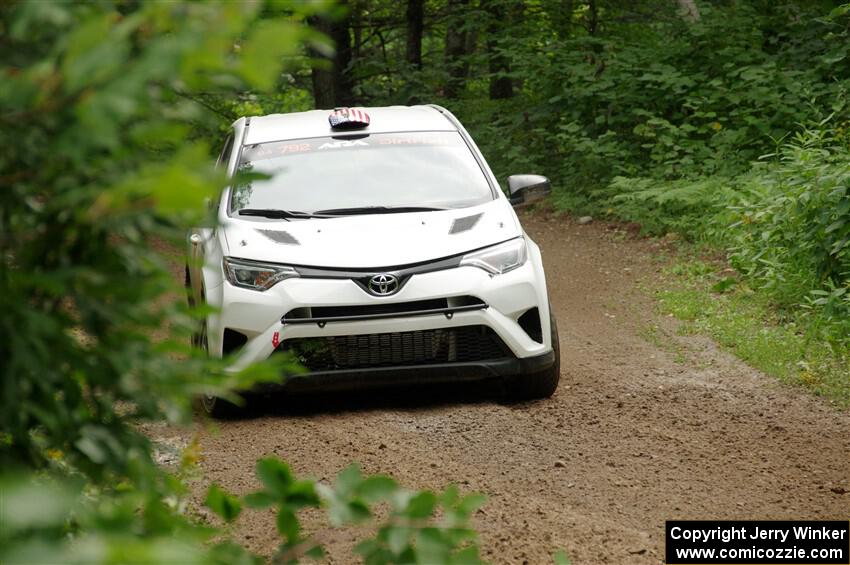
(383,284)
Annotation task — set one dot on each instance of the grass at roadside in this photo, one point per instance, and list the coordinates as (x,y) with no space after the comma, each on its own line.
(742,321)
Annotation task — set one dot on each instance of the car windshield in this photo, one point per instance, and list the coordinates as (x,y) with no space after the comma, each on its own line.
(418,170)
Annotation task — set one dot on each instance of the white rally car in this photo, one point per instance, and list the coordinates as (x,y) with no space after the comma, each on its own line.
(378,249)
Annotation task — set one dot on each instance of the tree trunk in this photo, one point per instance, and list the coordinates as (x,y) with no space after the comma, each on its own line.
(415,25)
(343,83)
(332,84)
(456,48)
(323,85)
(593,22)
(501,86)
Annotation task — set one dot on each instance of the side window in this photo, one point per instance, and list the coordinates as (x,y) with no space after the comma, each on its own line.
(225,153)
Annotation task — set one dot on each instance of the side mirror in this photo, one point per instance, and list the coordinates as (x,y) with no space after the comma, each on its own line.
(525,189)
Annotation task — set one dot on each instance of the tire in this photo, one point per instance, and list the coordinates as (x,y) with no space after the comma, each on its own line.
(221,409)
(540,384)
(188,285)
(213,406)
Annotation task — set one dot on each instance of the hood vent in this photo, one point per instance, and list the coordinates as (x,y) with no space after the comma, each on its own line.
(464,224)
(279,237)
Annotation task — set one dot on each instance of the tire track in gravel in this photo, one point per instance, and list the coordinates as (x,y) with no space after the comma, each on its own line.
(635,435)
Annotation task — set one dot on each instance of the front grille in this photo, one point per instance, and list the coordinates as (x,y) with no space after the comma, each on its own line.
(318,313)
(422,347)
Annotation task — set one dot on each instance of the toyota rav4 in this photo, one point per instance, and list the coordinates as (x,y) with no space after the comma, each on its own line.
(377,248)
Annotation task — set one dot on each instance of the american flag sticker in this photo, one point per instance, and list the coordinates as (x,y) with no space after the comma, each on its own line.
(348,118)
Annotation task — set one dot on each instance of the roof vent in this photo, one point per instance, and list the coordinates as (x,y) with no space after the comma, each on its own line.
(464,224)
(279,237)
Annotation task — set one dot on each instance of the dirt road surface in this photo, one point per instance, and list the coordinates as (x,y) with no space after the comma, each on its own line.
(638,432)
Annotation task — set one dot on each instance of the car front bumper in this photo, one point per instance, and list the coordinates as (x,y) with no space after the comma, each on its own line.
(259,317)
(380,377)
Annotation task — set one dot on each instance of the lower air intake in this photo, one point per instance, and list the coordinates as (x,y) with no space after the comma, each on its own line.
(448,345)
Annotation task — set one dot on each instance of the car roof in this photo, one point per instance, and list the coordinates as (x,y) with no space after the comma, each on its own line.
(314,123)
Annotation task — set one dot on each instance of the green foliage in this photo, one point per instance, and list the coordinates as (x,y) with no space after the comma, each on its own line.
(410,532)
(226,506)
(98,164)
(800,207)
(656,96)
(785,224)
(790,230)
(663,206)
(53,520)
(46,520)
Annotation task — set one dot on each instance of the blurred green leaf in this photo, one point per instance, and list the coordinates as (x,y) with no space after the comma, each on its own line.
(287,524)
(275,476)
(348,480)
(225,505)
(97,48)
(259,500)
(28,503)
(377,488)
(421,505)
(470,503)
(262,53)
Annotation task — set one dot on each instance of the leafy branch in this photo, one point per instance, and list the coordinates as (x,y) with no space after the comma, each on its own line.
(419,527)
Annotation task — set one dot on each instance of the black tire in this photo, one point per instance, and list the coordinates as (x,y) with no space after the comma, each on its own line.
(213,406)
(188,285)
(540,384)
(222,409)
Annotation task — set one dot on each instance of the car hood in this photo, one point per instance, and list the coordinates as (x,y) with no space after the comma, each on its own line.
(371,241)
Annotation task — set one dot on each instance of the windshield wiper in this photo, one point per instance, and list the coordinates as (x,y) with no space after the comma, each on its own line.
(277,214)
(377,210)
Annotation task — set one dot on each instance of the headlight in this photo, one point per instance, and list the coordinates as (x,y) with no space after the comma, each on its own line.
(500,258)
(256,276)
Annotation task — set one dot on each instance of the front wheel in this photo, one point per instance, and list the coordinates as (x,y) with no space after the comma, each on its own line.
(214,406)
(539,384)
(222,409)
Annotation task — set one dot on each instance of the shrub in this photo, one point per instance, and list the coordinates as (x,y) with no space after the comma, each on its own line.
(791,228)
(99,169)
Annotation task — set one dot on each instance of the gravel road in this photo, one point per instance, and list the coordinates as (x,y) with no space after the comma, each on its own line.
(639,431)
